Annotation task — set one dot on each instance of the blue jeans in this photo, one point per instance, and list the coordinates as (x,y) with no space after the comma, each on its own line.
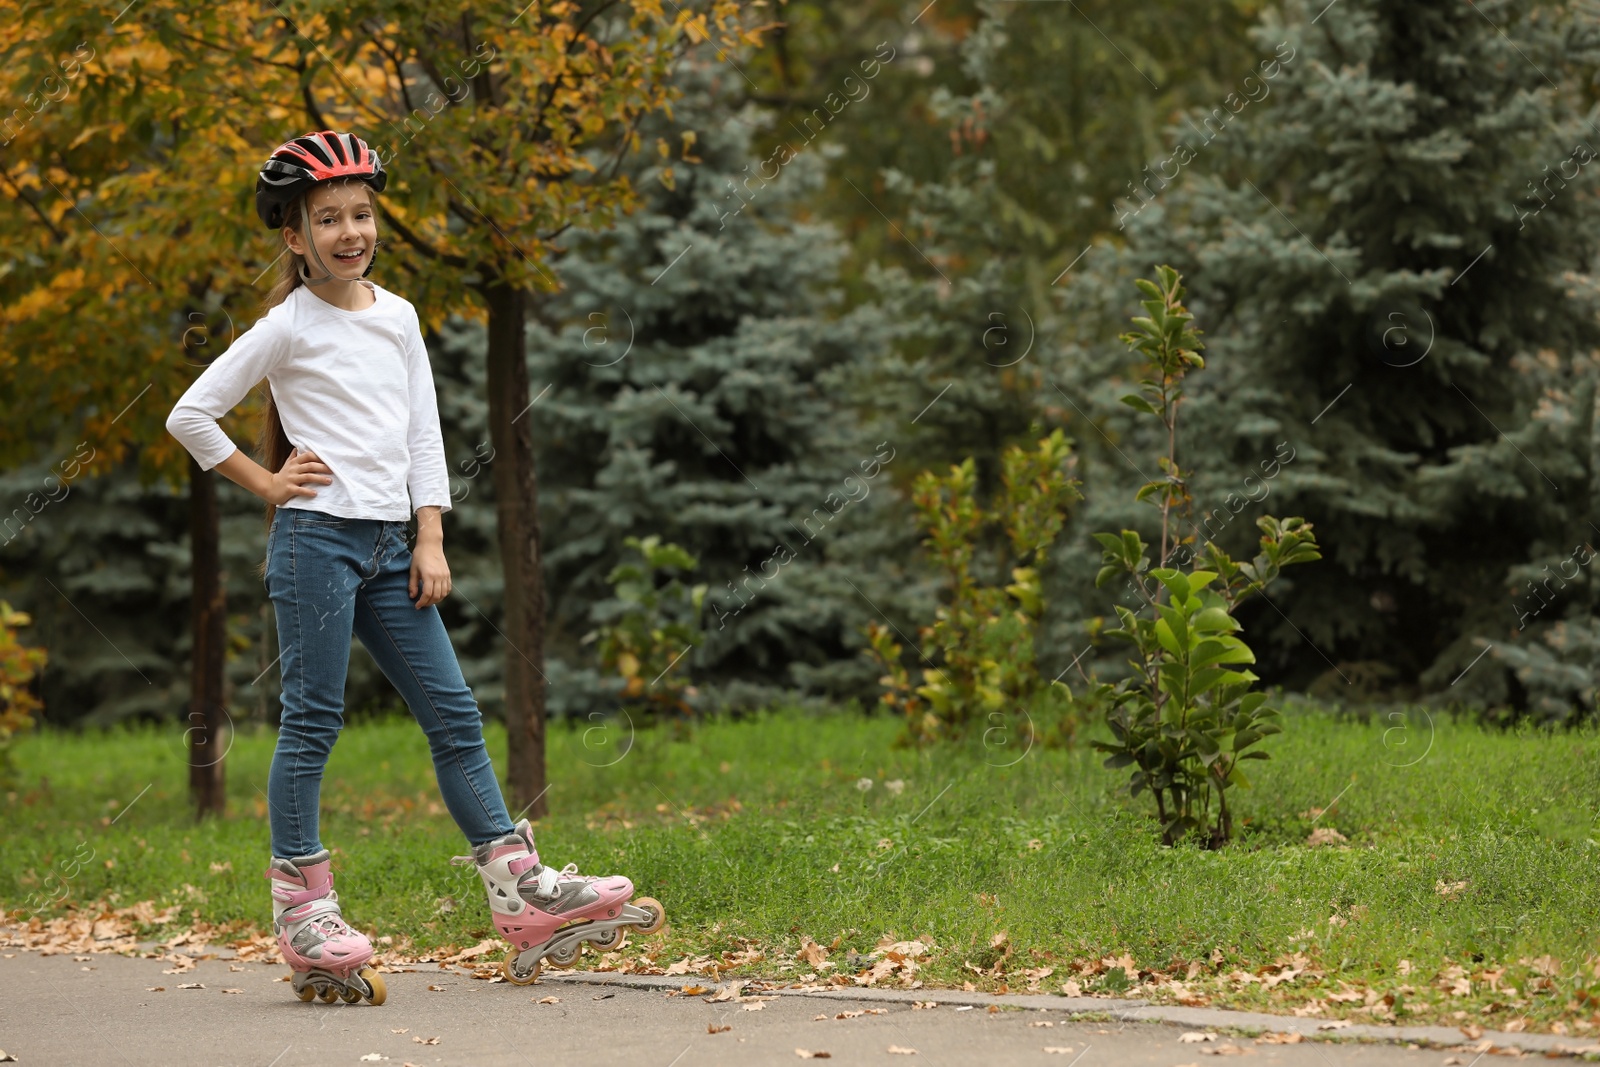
(328,577)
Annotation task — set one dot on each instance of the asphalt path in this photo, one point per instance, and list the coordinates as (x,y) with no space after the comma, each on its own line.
(108,1010)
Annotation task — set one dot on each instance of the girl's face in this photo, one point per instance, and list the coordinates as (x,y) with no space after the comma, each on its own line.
(340,222)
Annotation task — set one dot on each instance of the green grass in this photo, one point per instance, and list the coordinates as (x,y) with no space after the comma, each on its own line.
(754,833)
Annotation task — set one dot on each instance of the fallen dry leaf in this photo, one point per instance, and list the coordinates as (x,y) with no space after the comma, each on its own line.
(1288,974)
(419,1039)
(713,1028)
(694,990)
(757,1006)
(548,1000)
(807,1054)
(812,953)
(1058,1050)
(901,1050)
(1193,1037)
(1334,1024)
(233,991)
(1449,890)
(1071,989)
(1275,1038)
(155,989)
(192,985)
(436,989)
(908,949)
(1227,1050)
(923,1005)
(6,1057)
(1325,835)
(373,1057)
(1041,1022)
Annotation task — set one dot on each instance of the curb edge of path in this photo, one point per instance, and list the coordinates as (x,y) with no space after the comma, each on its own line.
(1126,1011)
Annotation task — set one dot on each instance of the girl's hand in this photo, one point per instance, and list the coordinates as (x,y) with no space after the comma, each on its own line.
(429,573)
(299,470)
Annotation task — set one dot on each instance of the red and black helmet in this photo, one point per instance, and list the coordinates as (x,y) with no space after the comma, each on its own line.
(299,164)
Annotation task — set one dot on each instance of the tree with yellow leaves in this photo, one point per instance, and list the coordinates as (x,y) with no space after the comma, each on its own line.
(134,255)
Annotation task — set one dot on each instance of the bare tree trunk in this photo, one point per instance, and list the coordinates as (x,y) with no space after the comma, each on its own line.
(516,489)
(207,716)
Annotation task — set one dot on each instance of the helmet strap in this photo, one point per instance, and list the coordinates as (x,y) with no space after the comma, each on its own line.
(312,244)
(306,277)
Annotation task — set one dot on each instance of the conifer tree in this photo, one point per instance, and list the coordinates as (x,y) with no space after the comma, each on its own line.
(686,384)
(1385,230)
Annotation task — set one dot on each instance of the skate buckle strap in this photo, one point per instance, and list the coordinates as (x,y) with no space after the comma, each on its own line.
(323,912)
(296,897)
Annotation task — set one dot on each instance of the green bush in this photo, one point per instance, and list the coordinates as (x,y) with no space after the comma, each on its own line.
(656,625)
(1186,719)
(18,665)
(984,633)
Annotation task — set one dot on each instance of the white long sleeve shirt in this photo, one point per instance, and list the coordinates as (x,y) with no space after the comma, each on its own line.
(355,387)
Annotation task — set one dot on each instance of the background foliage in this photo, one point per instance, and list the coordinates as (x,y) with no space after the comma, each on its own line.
(937,269)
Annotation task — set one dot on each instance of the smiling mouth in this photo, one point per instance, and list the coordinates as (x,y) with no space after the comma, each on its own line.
(349,257)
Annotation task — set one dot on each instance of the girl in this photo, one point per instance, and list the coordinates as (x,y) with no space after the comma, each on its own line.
(352,444)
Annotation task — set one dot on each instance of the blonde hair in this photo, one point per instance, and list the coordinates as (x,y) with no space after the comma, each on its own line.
(272,444)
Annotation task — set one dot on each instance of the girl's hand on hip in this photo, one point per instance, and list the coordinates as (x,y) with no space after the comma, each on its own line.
(300,471)
(430,574)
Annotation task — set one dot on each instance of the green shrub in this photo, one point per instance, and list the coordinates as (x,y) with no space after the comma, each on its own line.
(18,665)
(1186,719)
(654,625)
(984,633)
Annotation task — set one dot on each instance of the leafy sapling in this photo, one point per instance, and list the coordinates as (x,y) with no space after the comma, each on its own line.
(1187,718)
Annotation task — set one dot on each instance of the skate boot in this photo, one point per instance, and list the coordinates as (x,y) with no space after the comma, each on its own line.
(328,957)
(548,914)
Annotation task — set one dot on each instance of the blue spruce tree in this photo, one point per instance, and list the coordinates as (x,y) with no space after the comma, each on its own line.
(689,383)
(1385,230)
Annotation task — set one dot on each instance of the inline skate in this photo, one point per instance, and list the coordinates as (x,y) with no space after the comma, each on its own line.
(548,914)
(329,959)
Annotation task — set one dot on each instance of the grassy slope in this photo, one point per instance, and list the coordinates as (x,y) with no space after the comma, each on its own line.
(738,829)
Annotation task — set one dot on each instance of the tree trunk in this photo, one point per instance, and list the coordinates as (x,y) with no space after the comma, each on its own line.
(207,716)
(1593,502)
(516,489)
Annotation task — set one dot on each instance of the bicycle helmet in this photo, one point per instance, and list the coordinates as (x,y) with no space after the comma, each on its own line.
(295,166)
